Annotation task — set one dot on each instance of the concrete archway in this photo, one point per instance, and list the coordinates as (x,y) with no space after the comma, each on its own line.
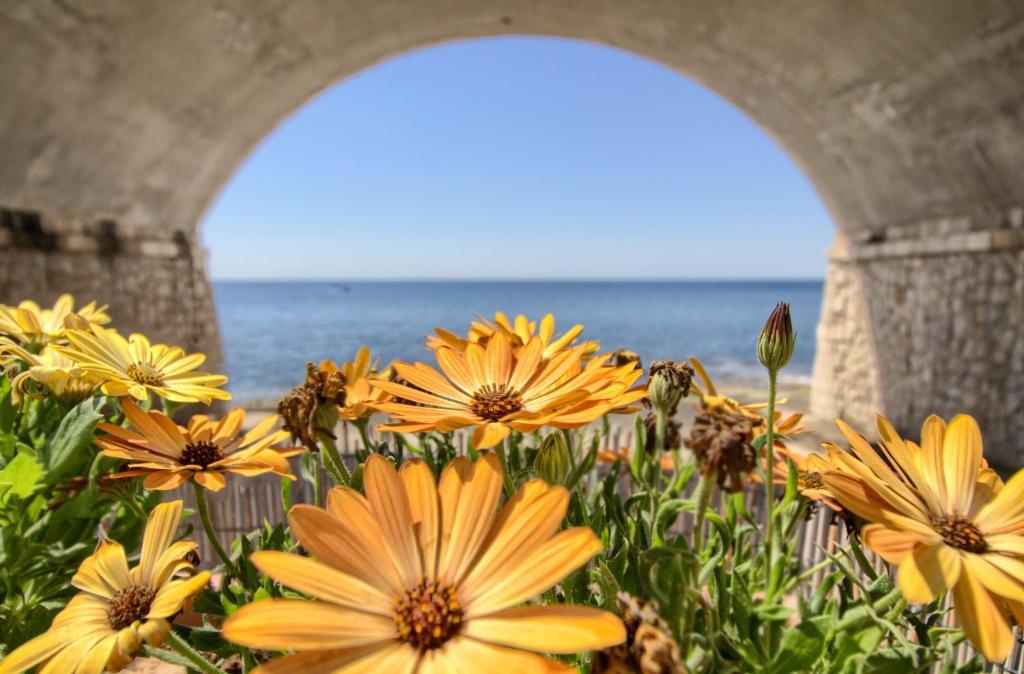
(121,120)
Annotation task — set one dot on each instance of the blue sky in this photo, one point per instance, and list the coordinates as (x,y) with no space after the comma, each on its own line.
(518,158)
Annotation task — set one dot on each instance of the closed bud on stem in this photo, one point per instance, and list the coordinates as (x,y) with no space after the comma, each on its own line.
(554,459)
(669,383)
(777,341)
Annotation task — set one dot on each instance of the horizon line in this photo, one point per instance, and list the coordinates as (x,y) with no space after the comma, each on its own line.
(468,279)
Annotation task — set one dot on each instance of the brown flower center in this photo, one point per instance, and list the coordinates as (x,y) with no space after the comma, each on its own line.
(495,401)
(960,532)
(810,480)
(201,454)
(129,605)
(145,374)
(428,615)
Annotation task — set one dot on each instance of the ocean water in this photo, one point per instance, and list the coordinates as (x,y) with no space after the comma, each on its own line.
(270,330)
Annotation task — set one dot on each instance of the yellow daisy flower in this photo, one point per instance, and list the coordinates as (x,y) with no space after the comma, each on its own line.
(421,578)
(360,395)
(937,513)
(711,400)
(520,332)
(33,326)
(134,367)
(118,608)
(169,455)
(499,388)
(58,373)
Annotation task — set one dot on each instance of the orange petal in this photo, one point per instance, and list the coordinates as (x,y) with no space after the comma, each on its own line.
(551,629)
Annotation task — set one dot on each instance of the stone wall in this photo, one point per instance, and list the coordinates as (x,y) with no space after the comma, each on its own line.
(927,319)
(154,282)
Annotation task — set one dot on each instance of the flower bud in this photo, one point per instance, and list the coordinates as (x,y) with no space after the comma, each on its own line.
(669,383)
(777,341)
(554,459)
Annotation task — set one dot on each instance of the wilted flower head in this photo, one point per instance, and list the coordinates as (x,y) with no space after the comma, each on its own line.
(777,341)
(669,383)
(721,441)
(313,407)
(649,647)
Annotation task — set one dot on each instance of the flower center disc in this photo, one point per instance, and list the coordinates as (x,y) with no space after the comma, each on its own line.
(201,454)
(428,615)
(961,533)
(495,401)
(810,480)
(129,605)
(145,374)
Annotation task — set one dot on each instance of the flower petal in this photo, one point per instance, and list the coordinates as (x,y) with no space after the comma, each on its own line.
(104,573)
(981,619)
(160,530)
(892,545)
(468,656)
(390,505)
(321,581)
(550,629)
(961,458)
(549,563)
(472,519)
(928,571)
(426,510)
(305,625)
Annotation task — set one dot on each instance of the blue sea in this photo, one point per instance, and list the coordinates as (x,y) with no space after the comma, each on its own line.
(270,330)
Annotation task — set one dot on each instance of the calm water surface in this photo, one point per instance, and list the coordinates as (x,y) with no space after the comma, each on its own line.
(271,329)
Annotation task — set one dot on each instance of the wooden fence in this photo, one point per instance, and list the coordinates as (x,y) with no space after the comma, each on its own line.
(245,505)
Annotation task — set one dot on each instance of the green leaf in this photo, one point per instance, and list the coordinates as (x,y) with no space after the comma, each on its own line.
(73,437)
(801,647)
(20,477)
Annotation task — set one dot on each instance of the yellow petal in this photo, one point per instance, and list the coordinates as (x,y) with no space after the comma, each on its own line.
(474,514)
(530,518)
(173,596)
(1001,575)
(550,563)
(468,656)
(351,545)
(928,571)
(426,510)
(318,662)
(1005,513)
(279,624)
(488,434)
(95,661)
(551,629)
(68,659)
(160,530)
(961,457)
(210,479)
(321,581)
(37,650)
(892,545)
(981,619)
(104,573)
(390,505)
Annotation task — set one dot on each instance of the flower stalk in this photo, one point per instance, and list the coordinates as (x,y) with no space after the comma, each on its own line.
(211,534)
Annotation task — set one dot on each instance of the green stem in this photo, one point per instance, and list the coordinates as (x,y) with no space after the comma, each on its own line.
(333,462)
(364,435)
(769,483)
(185,649)
(317,460)
(286,496)
(211,534)
(500,450)
(702,498)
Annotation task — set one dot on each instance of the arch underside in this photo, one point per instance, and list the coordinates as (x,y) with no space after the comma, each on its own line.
(120,122)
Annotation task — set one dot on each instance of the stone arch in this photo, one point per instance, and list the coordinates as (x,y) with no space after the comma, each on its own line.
(908,118)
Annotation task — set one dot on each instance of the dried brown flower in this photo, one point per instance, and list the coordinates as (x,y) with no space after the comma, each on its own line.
(669,383)
(649,647)
(312,408)
(721,441)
